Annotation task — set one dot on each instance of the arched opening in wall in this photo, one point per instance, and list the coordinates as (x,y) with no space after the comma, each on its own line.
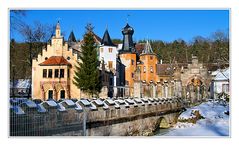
(195,89)
(162,126)
(50,94)
(62,94)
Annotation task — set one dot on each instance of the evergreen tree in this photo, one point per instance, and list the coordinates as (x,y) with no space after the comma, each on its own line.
(87,75)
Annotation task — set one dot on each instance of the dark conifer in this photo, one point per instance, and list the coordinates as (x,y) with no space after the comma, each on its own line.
(87,75)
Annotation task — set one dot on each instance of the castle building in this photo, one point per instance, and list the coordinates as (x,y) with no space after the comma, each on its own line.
(128,57)
(109,53)
(53,71)
(148,65)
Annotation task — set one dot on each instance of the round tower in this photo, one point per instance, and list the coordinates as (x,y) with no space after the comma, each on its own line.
(128,57)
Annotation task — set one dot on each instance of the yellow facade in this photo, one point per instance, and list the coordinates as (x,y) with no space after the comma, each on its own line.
(55,87)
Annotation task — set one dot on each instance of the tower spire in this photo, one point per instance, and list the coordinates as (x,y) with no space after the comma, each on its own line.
(58,29)
(128,44)
(147,48)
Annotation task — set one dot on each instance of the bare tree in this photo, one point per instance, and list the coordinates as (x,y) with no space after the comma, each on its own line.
(36,37)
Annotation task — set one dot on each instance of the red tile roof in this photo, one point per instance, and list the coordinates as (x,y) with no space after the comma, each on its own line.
(55,60)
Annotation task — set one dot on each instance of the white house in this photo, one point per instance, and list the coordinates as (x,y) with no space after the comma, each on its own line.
(220,82)
(108,52)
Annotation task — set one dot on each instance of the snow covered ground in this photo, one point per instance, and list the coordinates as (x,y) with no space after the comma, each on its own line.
(216,123)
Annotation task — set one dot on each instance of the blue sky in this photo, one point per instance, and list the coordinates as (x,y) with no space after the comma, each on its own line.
(166,25)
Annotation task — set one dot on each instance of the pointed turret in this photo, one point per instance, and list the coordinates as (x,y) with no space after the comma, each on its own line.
(71,38)
(147,49)
(106,41)
(58,30)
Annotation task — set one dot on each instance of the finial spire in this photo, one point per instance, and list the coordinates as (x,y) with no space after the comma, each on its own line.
(127,20)
(106,27)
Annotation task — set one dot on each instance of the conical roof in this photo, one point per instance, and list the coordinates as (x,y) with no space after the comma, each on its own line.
(72,37)
(58,25)
(106,39)
(147,49)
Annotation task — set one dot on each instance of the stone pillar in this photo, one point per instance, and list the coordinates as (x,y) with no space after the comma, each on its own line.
(154,90)
(166,91)
(178,88)
(192,93)
(159,90)
(198,93)
(169,89)
(115,91)
(163,90)
(137,89)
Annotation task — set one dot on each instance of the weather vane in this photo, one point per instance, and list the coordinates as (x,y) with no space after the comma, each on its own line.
(58,19)
(128,17)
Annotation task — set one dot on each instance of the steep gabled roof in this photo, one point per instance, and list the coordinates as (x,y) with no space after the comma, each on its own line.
(106,39)
(55,60)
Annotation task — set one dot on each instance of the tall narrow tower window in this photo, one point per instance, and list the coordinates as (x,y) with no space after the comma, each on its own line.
(56,73)
(50,73)
(144,69)
(44,73)
(151,69)
(61,73)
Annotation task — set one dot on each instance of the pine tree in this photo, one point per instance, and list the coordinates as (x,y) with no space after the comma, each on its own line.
(87,75)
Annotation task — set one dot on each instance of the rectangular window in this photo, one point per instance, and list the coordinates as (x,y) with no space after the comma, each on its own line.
(132,62)
(110,50)
(44,73)
(110,63)
(68,73)
(151,57)
(56,73)
(49,73)
(132,75)
(225,88)
(61,73)
(50,94)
